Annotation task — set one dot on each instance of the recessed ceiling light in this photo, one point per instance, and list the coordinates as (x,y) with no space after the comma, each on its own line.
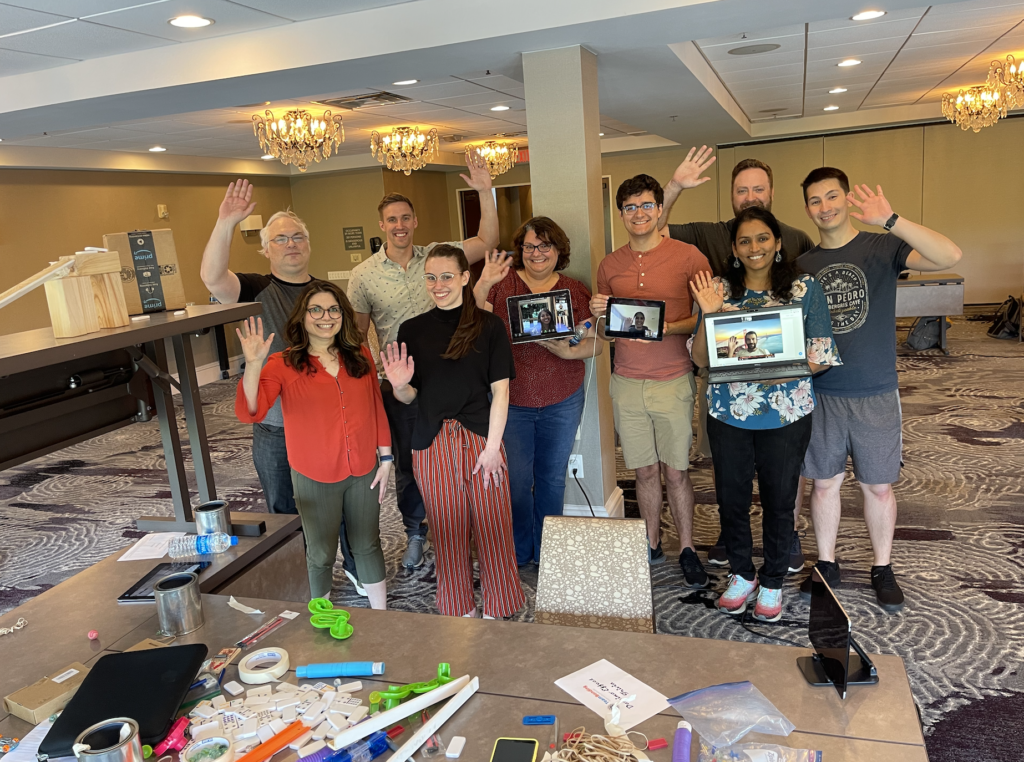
(600,134)
(753,50)
(267,157)
(868,15)
(157,149)
(835,90)
(405,82)
(499,108)
(190,22)
(849,62)
(831,108)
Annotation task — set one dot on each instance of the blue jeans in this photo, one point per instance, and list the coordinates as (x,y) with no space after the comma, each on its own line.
(538,442)
(270,456)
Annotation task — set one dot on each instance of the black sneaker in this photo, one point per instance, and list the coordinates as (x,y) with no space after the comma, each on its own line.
(887,590)
(830,573)
(693,571)
(655,556)
(796,555)
(716,553)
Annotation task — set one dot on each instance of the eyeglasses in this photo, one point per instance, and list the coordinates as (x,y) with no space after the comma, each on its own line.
(647,206)
(443,277)
(543,248)
(282,240)
(316,311)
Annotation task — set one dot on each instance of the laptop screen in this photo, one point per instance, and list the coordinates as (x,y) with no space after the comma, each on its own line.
(752,337)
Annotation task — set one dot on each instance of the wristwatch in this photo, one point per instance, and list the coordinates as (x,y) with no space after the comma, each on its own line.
(386,458)
(891,221)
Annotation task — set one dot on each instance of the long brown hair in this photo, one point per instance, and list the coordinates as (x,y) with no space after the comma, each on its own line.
(548,231)
(347,342)
(471,322)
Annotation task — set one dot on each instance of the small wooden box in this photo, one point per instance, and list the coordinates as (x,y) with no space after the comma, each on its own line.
(88,298)
(150,276)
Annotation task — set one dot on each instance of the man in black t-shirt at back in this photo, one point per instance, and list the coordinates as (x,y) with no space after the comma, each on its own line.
(752,185)
(285,243)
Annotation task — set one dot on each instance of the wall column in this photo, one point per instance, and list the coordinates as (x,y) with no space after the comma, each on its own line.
(565,177)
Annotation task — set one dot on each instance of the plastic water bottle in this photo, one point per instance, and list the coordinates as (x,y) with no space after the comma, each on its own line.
(200,544)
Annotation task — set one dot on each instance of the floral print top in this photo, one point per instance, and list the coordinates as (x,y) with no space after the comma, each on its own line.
(772,406)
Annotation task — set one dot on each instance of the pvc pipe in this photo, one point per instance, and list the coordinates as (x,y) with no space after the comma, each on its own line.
(431,726)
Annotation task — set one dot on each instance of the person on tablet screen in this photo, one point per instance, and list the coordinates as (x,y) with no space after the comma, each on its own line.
(749,348)
(638,330)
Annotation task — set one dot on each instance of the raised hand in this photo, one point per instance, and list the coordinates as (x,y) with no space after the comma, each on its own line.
(492,464)
(254,347)
(398,366)
(688,174)
(708,293)
(733,343)
(496,266)
(237,203)
(874,206)
(479,176)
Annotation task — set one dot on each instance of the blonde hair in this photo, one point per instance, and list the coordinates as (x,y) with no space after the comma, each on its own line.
(286,214)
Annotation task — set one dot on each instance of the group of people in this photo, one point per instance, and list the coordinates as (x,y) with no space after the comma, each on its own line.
(479,430)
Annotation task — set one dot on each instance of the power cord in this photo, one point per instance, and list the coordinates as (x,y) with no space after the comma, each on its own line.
(583,415)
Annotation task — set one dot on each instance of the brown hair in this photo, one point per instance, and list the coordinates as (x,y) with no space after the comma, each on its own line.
(634,186)
(546,230)
(393,198)
(825,173)
(347,341)
(752,164)
(471,322)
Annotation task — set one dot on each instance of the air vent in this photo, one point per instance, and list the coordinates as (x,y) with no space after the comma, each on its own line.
(753,50)
(353,102)
(452,138)
(772,111)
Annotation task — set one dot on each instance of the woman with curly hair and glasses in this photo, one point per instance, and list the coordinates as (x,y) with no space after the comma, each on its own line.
(546,397)
(339,443)
(455,361)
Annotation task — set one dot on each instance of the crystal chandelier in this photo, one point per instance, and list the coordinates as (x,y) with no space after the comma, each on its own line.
(1007,78)
(974,108)
(299,138)
(499,157)
(405,149)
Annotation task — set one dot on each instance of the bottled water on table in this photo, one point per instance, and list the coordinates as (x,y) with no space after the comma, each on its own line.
(200,545)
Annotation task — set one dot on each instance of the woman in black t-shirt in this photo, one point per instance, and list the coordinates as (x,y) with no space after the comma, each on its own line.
(456,361)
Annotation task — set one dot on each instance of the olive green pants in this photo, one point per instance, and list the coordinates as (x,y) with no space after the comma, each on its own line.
(321,507)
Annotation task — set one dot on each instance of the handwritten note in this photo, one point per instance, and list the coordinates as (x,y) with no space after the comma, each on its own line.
(598,686)
(151,546)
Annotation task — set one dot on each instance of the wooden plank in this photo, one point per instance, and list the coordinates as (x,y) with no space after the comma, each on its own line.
(108,296)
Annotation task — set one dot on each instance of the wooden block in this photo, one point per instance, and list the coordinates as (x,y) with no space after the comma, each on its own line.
(108,295)
(95,262)
(72,307)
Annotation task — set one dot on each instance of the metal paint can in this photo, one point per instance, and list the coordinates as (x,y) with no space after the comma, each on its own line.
(179,606)
(213,516)
(106,744)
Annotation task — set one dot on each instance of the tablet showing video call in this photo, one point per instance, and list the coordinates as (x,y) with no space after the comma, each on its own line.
(635,319)
(539,317)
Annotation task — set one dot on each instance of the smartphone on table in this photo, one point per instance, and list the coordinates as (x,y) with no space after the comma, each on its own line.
(514,750)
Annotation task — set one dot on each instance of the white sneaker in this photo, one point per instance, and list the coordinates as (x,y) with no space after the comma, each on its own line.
(359,588)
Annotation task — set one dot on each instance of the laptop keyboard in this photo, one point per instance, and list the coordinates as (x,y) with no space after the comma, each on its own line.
(756,374)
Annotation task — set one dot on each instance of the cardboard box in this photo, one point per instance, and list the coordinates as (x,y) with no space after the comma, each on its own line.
(36,702)
(150,274)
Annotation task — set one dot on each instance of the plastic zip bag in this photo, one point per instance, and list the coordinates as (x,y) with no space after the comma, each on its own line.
(756,752)
(723,714)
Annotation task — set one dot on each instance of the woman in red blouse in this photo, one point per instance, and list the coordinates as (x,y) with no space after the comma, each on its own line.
(334,427)
(546,397)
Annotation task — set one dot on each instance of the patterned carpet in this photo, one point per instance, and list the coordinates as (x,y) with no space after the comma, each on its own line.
(959,550)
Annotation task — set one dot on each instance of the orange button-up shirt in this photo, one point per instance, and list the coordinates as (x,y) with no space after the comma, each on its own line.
(332,426)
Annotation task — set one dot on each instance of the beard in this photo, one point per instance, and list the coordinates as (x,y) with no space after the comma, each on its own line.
(754,202)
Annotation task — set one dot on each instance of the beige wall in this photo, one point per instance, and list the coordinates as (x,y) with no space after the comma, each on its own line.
(428,191)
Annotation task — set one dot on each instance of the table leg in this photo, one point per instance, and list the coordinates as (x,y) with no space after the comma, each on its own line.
(222,351)
(942,334)
(194,419)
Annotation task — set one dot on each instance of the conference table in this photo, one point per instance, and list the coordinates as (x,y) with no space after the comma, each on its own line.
(516,662)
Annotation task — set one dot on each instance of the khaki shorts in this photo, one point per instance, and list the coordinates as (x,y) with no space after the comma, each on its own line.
(654,420)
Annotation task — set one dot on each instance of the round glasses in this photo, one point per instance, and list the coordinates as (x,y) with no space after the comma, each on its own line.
(543,248)
(282,240)
(317,311)
(443,277)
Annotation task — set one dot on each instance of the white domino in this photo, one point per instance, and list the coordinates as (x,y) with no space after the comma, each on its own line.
(288,715)
(259,690)
(312,748)
(311,720)
(286,688)
(359,713)
(277,726)
(218,702)
(321,732)
(248,729)
(301,741)
(257,701)
(289,700)
(354,687)
(265,732)
(317,707)
(233,688)
(338,720)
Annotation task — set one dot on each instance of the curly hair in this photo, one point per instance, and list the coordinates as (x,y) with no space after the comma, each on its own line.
(782,273)
(634,186)
(347,341)
(548,231)
(471,321)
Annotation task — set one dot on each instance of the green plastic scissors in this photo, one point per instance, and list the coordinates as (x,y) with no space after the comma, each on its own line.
(395,694)
(326,617)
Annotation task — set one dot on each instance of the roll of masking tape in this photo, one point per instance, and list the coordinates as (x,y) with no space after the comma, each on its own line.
(263,666)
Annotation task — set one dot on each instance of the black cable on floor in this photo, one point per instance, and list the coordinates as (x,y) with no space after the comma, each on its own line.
(585,496)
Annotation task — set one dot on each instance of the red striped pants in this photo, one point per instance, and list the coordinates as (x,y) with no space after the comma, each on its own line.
(460,508)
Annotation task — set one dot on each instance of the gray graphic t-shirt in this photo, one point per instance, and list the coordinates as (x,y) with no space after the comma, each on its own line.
(278,298)
(859,281)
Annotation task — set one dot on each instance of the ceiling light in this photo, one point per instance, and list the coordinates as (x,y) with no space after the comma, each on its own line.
(831,108)
(267,156)
(835,90)
(849,62)
(868,15)
(190,22)
(975,108)
(600,134)
(499,108)
(405,149)
(402,82)
(299,137)
(157,149)
(753,50)
(499,157)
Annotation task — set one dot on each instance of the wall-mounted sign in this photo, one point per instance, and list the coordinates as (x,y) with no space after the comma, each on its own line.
(354,240)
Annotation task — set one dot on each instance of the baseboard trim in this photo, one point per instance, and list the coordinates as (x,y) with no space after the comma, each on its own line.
(614,507)
(207,374)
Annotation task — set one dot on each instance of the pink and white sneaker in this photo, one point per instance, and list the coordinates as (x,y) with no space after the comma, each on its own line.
(769,605)
(735,598)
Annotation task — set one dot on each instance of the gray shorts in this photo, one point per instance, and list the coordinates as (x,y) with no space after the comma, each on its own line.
(867,429)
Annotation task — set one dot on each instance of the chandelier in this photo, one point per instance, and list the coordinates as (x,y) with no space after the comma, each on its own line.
(499,157)
(1008,79)
(405,149)
(975,107)
(299,138)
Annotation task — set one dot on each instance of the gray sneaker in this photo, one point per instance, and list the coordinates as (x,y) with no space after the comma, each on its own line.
(355,582)
(413,557)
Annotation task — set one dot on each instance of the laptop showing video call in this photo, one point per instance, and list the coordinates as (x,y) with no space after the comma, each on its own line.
(756,345)
(539,317)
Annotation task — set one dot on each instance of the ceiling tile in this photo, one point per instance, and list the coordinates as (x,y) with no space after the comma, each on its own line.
(14,62)
(450,89)
(750,38)
(889,18)
(485,97)
(951,17)
(761,62)
(857,34)
(300,10)
(81,39)
(13,20)
(75,8)
(228,17)
(981,36)
(786,45)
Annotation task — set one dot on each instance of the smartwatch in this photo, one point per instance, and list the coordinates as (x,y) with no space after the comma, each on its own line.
(386,458)
(891,221)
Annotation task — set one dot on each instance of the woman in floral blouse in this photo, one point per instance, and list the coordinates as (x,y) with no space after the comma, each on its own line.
(760,428)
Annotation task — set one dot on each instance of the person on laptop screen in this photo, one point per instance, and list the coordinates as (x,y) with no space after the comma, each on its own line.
(760,427)
(637,330)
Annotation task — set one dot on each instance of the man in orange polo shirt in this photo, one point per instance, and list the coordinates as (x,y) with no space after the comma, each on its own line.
(652,384)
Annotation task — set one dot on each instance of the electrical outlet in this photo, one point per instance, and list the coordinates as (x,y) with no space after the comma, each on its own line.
(357,257)
(576,461)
